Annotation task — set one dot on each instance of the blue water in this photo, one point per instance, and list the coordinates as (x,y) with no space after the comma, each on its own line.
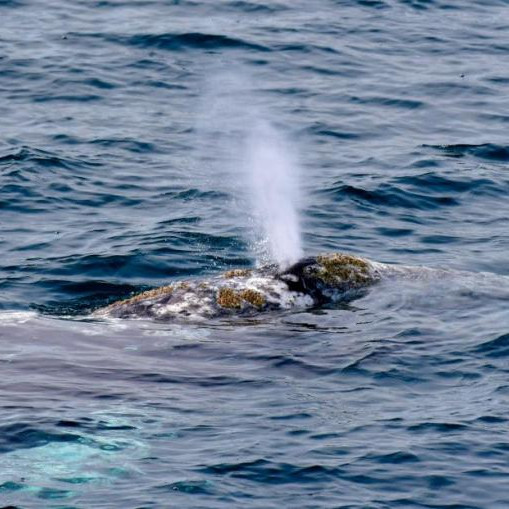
(398,110)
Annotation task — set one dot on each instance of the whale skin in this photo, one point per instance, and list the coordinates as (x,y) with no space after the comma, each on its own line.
(312,281)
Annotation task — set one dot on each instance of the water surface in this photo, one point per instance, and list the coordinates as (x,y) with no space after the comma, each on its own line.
(111,184)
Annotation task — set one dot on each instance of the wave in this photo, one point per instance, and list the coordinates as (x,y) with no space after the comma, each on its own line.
(426,191)
(43,158)
(498,347)
(487,151)
(388,195)
(176,41)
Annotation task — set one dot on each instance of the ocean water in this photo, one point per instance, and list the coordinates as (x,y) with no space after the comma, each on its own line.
(118,153)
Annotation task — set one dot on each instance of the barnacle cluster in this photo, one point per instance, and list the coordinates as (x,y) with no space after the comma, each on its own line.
(229,298)
(229,274)
(343,268)
(254,298)
(148,294)
(234,299)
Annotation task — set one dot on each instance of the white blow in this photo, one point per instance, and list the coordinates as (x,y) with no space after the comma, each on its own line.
(272,178)
(254,163)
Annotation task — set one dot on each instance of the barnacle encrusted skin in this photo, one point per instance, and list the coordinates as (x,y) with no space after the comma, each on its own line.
(256,299)
(341,268)
(237,299)
(229,274)
(148,294)
(229,298)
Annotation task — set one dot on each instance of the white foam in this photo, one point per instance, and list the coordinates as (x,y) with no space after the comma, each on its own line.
(16,317)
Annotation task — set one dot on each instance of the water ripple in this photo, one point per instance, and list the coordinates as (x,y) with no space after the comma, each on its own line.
(111,184)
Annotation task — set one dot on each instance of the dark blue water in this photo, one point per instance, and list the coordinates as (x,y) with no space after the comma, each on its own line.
(399,111)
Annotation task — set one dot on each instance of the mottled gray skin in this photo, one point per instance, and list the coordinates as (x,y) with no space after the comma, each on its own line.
(310,282)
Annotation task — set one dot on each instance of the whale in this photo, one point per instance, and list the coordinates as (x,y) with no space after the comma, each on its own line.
(310,282)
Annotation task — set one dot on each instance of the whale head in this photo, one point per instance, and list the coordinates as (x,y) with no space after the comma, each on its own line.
(329,277)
